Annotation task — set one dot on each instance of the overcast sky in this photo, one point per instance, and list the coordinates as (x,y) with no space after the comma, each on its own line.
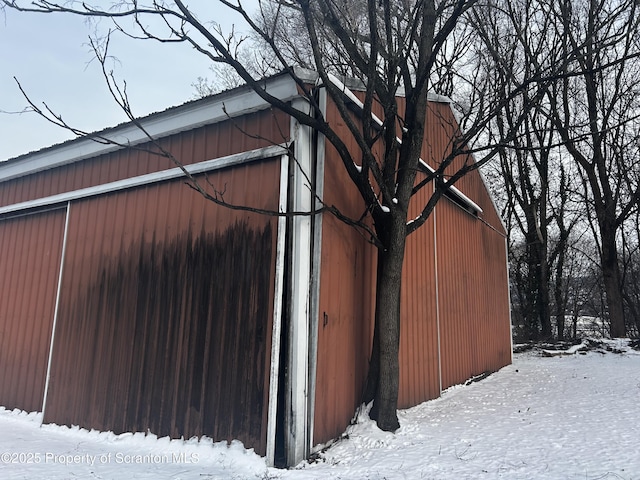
(50,56)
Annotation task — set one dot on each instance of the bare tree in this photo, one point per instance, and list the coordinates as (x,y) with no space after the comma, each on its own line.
(592,104)
(528,169)
(597,113)
(391,47)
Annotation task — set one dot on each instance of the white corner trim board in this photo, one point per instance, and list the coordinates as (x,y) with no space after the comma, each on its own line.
(301,265)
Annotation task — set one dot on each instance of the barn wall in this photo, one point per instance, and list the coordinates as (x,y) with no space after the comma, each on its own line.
(473,298)
(31,248)
(419,374)
(454,291)
(165,318)
(345,307)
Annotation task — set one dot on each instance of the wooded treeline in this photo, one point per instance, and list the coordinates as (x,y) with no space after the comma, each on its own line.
(568,185)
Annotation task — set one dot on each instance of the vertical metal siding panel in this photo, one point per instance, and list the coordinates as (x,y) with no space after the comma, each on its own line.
(32,331)
(30,249)
(472,328)
(418,330)
(347,282)
(79,245)
(24,335)
(13,308)
(344,327)
(462,346)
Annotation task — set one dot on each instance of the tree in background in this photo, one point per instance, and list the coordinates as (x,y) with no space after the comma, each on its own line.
(528,171)
(590,117)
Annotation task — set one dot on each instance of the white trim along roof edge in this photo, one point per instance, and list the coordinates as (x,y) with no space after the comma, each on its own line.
(188,116)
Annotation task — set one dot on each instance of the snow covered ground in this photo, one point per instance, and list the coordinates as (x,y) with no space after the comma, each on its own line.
(558,417)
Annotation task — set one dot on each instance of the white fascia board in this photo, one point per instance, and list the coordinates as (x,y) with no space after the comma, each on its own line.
(186,117)
(155,177)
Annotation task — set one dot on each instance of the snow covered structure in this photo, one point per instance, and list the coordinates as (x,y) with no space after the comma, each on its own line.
(128,302)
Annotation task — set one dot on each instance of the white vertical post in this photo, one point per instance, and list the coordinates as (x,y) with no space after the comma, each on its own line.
(315,274)
(298,362)
(56,308)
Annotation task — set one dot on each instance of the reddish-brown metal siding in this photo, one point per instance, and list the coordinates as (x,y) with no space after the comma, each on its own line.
(165,316)
(345,309)
(473,298)
(30,251)
(472,275)
(252,131)
(419,377)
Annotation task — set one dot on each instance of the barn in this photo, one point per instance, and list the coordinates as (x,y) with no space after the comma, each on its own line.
(129,302)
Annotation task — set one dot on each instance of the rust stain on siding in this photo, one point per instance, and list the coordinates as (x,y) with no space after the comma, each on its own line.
(171,338)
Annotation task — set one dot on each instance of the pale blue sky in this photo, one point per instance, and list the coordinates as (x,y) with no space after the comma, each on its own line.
(50,56)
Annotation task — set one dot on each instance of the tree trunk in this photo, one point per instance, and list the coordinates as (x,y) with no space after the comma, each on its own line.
(544,310)
(613,290)
(371,384)
(561,305)
(537,309)
(384,370)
